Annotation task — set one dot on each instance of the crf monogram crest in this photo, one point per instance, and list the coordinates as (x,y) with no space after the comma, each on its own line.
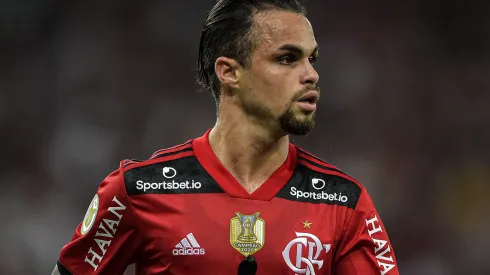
(247,233)
(304,265)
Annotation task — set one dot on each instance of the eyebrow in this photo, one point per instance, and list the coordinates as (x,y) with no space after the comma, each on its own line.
(295,49)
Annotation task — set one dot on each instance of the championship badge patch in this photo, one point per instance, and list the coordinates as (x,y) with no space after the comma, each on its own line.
(90,216)
(247,233)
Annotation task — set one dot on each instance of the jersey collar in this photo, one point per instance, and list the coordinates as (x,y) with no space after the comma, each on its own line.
(230,185)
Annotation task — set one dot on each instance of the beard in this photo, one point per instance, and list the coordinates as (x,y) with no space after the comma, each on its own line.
(294,125)
(289,121)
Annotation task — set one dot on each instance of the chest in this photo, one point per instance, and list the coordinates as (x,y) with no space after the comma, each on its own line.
(213,233)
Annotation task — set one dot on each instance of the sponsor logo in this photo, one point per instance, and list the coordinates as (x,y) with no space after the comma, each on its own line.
(169,172)
(188,246)
(318,196)
(310,264)
(89,219)
(382,248)
(171,185)
(318,184)
(247,233)
(105,233)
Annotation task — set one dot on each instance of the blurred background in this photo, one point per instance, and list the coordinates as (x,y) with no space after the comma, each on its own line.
(405,109)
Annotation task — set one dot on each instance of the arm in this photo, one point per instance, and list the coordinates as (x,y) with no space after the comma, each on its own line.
(365,247)
(60,270)
(105,241)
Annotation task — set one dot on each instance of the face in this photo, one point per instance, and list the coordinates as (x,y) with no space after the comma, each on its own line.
(279,88)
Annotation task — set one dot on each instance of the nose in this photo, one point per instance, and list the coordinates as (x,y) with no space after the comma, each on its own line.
(311,75)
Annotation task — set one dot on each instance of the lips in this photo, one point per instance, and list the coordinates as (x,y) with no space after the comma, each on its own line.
(308,101)
(310,97)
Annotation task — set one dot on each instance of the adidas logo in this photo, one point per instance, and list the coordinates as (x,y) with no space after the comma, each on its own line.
(188,246)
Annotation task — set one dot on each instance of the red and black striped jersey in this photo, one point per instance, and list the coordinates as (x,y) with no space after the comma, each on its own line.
(182,212)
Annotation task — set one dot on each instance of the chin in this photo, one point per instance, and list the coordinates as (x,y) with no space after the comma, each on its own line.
(297,124)
(301,130)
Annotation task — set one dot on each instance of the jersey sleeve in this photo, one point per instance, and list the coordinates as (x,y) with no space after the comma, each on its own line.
(105,241)
(365,247)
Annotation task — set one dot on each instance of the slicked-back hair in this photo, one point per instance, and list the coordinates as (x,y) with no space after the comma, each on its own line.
(228,31)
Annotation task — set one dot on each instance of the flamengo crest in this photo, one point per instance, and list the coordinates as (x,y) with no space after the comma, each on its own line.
(304,264)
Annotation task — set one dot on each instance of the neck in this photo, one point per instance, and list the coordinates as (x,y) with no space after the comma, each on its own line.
(248,150)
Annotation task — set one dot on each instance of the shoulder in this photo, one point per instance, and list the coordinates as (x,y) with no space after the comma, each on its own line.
(322,177)
(173,170)
(164,162)
(161,156)
(319,166)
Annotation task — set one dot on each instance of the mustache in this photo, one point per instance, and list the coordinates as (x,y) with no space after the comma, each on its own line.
(310,87)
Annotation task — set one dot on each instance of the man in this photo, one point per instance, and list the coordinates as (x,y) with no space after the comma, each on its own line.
(240,199)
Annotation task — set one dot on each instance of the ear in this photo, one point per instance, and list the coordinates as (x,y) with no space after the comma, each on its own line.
(226,71)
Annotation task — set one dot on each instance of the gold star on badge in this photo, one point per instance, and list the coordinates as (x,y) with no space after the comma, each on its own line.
(307,224)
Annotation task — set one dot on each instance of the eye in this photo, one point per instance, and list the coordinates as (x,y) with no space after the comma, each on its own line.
(313,59)
(287,59)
